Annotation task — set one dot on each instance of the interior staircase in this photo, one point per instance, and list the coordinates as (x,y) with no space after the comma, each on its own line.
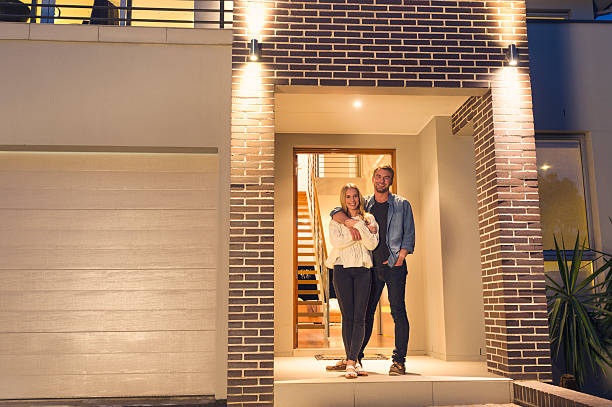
(310,299)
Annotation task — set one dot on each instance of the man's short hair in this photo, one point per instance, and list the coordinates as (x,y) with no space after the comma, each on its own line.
(386,167)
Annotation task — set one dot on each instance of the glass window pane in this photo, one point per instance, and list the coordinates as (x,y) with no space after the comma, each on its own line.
(561,186)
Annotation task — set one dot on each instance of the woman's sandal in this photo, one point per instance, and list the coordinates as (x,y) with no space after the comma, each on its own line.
(360,371)
(351,373)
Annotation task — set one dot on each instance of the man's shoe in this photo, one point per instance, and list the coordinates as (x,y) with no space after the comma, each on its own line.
(338,367)
(397,369)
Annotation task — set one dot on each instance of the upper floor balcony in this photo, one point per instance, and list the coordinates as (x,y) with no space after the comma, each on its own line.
(143,13)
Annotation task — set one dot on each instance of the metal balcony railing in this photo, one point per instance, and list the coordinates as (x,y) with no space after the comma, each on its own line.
(149,13)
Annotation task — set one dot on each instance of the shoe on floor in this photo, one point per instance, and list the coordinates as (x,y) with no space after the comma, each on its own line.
(338,367)
(397,369)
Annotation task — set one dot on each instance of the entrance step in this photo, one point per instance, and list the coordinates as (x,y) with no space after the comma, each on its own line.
(392,391)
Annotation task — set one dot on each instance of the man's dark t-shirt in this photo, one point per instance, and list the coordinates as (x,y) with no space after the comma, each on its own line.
(380,211)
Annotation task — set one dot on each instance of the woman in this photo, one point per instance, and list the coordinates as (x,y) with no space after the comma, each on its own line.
(351,261)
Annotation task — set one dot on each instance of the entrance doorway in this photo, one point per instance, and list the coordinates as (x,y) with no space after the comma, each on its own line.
(319,175)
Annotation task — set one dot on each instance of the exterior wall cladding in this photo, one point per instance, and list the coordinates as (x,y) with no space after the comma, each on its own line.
(390,43)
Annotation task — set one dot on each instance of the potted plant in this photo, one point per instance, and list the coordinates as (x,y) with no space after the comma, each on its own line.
(580,315)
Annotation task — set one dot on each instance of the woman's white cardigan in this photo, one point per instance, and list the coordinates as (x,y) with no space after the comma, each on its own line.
(348,252)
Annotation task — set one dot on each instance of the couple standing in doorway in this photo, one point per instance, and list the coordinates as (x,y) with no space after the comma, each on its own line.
(371,237)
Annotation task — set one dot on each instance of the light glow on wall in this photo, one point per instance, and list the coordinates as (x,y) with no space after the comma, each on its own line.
(509,92)
(251,84)
(255,19)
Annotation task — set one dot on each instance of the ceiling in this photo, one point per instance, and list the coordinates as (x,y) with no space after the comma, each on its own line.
(336,113)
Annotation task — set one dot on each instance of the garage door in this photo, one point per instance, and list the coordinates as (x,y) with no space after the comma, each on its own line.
(107,274)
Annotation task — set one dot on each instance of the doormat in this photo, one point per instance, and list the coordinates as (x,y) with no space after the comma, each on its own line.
(371,356)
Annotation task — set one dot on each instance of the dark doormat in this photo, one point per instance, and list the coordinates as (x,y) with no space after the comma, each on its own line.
(371,356)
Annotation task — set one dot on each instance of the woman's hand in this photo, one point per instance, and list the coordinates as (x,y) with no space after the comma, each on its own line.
(372,228)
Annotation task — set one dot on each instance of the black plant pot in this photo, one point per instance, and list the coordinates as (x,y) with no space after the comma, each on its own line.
(568,381)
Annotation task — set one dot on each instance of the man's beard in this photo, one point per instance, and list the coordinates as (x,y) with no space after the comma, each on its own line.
(381,190)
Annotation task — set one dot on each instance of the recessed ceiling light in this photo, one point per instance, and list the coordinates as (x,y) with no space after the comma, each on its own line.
(357,104)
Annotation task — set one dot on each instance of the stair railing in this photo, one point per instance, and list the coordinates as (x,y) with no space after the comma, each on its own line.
(318,240)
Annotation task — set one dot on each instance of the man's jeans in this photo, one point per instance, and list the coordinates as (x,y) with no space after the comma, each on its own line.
(395,278)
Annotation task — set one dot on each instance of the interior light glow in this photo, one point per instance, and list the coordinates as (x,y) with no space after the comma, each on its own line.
(357,104)
(545,167)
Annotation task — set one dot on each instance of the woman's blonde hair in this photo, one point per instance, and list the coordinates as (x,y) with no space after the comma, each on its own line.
(360,208)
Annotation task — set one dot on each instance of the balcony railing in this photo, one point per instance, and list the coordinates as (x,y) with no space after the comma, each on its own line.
(149,13)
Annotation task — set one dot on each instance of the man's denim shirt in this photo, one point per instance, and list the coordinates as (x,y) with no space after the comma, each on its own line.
(400,224)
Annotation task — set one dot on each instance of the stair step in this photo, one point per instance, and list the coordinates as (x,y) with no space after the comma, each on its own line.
(306,263)
(310,325)
(309,292)
(310,314)
(306,272)
(305,246)
(310,302)
(308,281)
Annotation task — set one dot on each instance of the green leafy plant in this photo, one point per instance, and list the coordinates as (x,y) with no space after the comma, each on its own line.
(580,313)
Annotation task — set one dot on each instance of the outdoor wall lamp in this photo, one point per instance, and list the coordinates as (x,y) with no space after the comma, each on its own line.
(512,55)
(254,50)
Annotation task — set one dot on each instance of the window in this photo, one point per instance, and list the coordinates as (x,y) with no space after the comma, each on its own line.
(564,203)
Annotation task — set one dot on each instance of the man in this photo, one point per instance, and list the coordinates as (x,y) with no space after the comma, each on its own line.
(396,240)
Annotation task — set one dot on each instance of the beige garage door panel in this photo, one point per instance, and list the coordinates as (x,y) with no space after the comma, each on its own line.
(95,220)
(101,321)
(104,342)
(108,274)
(147,279)
(101,385)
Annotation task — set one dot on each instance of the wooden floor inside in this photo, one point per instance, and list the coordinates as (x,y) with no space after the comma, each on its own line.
(315,338)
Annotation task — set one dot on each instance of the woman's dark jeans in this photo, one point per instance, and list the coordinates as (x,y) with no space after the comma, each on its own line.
(395,278)
(352,285)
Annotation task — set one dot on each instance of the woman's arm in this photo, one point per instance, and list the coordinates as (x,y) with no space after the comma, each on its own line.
(339,235)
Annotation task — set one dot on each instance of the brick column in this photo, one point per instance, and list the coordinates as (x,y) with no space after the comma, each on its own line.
(516,323)
(251,275)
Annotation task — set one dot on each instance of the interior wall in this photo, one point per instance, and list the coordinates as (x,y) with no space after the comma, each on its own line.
(126,94)
(407,180)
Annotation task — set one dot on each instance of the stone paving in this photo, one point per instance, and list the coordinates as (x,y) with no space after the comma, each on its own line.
(202,401)
(155,402)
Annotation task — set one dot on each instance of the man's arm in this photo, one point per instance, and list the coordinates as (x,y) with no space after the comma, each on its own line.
(408,233)
(339,216)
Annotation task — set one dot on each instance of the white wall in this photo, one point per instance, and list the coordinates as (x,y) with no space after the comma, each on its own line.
(433,282)
(572,92)
(579,9)
(453,282)
(141,88)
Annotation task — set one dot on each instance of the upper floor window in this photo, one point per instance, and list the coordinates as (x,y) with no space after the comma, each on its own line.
(150,13)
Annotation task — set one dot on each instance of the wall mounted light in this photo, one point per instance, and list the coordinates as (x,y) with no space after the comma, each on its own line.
(254,50)
(512,55)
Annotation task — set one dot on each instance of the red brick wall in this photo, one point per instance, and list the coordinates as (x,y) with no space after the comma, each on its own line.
(389,43)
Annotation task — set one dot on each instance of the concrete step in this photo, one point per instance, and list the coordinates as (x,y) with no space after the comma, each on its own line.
(392,391)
